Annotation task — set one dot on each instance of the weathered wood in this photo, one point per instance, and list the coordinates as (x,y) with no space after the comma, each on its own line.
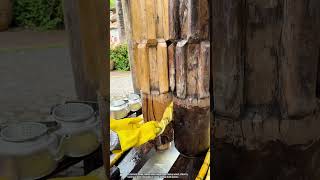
(189,166)
(120,20)
(191,126)
(300,38)
(174,24)
(183,16)
(135,67)
(204,70)
(194,19)
(193,55)
(263,55)
(267,64)
(162,60)
(154,77)
(136,19)
(227,57)
(150,14)
(165,17)
(160,19)
(87,23)
(172,66)
(181,64)
(153,109)
(143,71)
(85,86)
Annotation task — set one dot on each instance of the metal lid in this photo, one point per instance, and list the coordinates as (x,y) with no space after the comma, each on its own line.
(73,112)
(133,97)
(117,103)
(23,132)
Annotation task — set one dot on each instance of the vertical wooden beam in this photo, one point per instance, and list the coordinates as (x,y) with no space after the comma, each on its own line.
(87,23)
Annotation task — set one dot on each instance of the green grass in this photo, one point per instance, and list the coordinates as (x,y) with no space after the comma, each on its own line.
(112,3)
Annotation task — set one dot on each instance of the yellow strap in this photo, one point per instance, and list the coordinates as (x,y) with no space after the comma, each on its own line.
(204,168)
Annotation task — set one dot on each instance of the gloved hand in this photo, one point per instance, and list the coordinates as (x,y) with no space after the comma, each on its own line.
(132,132)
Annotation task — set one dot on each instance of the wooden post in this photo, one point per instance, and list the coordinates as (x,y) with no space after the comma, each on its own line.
(148,23)
(87,23)
(189,64)
(265,72)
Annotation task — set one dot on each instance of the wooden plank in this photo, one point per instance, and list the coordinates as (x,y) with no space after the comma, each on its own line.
(198,20)
(160,19)
(136,19)
(262,56)
(172,66)
(153,107)
(174,25)
(300,40)
(184,20)
(150,13)
(193,54)
(165,17)
(190,166)
(162,60)
(204,70)
(143,73)
(88,25)
(181,65)
(154,77)
(85,89)
(227,57)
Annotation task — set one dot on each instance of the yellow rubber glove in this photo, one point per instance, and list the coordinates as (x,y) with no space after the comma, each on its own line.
(132,132)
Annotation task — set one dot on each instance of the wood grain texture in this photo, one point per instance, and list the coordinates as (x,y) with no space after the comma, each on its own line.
(165,17)
(163,74)
(87,25)
(136,20)
(151,17)
(301,56)
(153,66)
(227,58)
(204,70)
(160,19)
(135,66)
(198,20)
(174,20)
(144,69)
(263,53)
(191,126)
(172,66)
(193,54)
(181,73)
(153,107)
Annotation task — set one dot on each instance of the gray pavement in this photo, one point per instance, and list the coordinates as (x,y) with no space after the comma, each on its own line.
(32,81)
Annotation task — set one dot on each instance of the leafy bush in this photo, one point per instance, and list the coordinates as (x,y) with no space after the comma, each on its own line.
(38,14)
(119,54)
(112,4)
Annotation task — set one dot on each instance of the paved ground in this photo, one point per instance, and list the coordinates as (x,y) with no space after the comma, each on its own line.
(120,83)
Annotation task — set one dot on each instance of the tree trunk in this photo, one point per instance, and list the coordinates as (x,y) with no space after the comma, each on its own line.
(264,74)
(120,19)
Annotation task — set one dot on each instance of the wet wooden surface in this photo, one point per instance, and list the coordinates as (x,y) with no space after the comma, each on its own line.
(190,166)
